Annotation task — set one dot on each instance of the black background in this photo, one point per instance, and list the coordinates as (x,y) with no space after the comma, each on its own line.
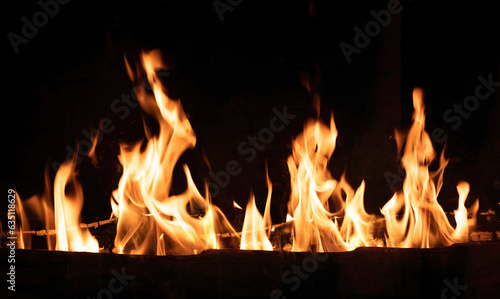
(230,74)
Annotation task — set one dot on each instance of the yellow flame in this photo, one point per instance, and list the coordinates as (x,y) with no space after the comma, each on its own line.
(423,223)
(237,206)
(314,190)
(92,152)
(23,242)
(253,235)
(60,217)
(68,205)
(326,214)
(151,220)
(257,228)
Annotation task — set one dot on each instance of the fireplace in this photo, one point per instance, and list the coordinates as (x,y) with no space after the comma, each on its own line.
(229,149)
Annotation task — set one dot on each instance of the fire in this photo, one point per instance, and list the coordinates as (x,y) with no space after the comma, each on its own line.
(150,219)
(316,202)
(312,185)
(92,155)
(256,228)
(20,226)
(357,225)
(237,206)
(423,223)
(62,218)
(38,207)
(68,205)
(326,214)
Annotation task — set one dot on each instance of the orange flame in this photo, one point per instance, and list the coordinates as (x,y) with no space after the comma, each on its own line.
(423,223)
(62,224)
(70,236)
(357,225)
(92,152)
(236,205)
(19,214)
(254,234)
(150,220)
(327,215)
(36,207)
(313,187)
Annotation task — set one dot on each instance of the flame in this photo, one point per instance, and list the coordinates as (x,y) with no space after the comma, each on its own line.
(325,214)
(37,207)
(254,234)
(92,152)
(62,219)
(19,214)
(150,219)
(357,225)
(423,223)
(237,206)
(316,201)
(68,205)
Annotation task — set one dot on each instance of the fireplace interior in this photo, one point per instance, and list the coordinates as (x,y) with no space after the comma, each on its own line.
(249,75)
